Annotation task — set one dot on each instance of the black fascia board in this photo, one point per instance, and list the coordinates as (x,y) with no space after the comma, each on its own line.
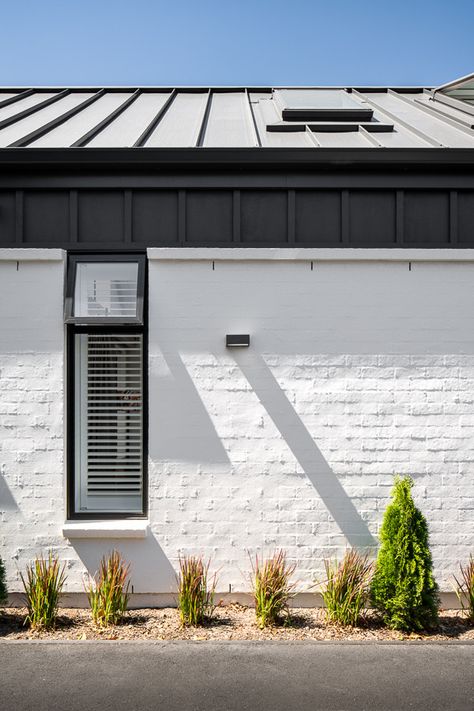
(242,158)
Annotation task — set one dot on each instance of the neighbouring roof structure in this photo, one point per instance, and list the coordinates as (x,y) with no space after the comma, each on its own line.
(224,117)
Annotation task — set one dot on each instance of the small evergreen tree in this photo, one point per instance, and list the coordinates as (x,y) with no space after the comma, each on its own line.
(403,587)
(3,584)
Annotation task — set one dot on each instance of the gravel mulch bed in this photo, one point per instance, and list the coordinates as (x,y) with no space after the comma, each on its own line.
(230,622)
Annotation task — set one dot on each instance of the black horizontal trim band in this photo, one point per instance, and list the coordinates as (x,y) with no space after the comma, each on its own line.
(217,87)
(327,114)
(375,127)
(196,158)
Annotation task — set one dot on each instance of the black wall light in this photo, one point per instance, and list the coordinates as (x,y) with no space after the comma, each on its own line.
(237,341)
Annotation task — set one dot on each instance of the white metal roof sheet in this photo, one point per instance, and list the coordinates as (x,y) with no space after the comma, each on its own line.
(230,121)
(349,139)
(30,123)
(22,104)
(406,110)
(204,117)
(182,122)
(266,113)
(76,127)
(127,128)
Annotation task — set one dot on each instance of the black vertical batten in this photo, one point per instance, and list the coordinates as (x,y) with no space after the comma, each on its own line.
(19,216)
(181,216)
(291,217)
(236,216)
(345,217)
(73,216)
(453,217)
(399,217)
(127,216)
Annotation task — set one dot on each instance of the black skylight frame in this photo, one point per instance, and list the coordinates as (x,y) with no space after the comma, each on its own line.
(74,260)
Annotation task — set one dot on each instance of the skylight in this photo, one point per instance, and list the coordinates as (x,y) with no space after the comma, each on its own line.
(320,105)
(461,90)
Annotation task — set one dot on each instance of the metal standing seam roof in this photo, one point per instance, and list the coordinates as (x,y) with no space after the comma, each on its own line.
(237,117)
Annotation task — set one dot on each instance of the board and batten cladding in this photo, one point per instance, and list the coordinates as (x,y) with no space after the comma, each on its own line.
(111,218)
(356,371)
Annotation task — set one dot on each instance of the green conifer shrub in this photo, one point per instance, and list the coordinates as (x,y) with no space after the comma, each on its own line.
(3,584)
(403,587)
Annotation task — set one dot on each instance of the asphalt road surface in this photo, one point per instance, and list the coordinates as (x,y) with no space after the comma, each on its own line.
(223,676)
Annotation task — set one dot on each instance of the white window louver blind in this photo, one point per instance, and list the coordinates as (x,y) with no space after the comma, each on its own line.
(109,422)
(107,290)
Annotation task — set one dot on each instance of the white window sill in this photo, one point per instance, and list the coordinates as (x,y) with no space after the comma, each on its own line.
(106,529)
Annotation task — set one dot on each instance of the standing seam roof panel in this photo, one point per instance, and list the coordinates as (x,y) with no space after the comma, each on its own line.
(351,139)
(220,117)
(74,128)
(230,121)
(22,128)
(180,126)
(419,119)
(22,104)
(265,112)
(5,96)
(127,128)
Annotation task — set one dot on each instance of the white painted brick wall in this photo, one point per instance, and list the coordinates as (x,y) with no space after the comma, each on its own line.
(31,411)
(355,372)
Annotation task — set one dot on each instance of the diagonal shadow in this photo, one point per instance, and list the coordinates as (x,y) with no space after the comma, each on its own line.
(150,568)
(304,448)
(179,411)
(7,500)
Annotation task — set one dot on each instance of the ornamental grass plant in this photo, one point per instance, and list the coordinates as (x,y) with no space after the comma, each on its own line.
(347,587)
(43,584)
(272,588)
(464,587)
(403,588)
(107,591)
(195,591)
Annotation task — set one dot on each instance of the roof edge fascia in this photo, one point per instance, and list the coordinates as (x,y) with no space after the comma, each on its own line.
(233,157)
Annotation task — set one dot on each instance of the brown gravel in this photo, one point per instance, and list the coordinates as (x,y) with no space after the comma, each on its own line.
(230,622)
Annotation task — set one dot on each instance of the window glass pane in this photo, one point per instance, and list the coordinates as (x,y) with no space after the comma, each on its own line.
(462,90)
(317,99)
(106,289)
(320,104)
(109,422)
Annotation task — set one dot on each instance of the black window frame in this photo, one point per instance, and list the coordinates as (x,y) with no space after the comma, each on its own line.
(74,260)
(103,326)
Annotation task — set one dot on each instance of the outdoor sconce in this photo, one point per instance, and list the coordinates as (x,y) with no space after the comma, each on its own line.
(241,341)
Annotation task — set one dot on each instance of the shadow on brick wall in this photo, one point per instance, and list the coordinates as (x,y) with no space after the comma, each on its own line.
(150,569)
(304,448)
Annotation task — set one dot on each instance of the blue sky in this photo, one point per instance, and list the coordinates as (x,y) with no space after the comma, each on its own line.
(246,42)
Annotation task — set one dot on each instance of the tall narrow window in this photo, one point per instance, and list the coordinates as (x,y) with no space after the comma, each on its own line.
(104,313)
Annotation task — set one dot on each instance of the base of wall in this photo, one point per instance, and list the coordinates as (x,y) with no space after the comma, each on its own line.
(138,601)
